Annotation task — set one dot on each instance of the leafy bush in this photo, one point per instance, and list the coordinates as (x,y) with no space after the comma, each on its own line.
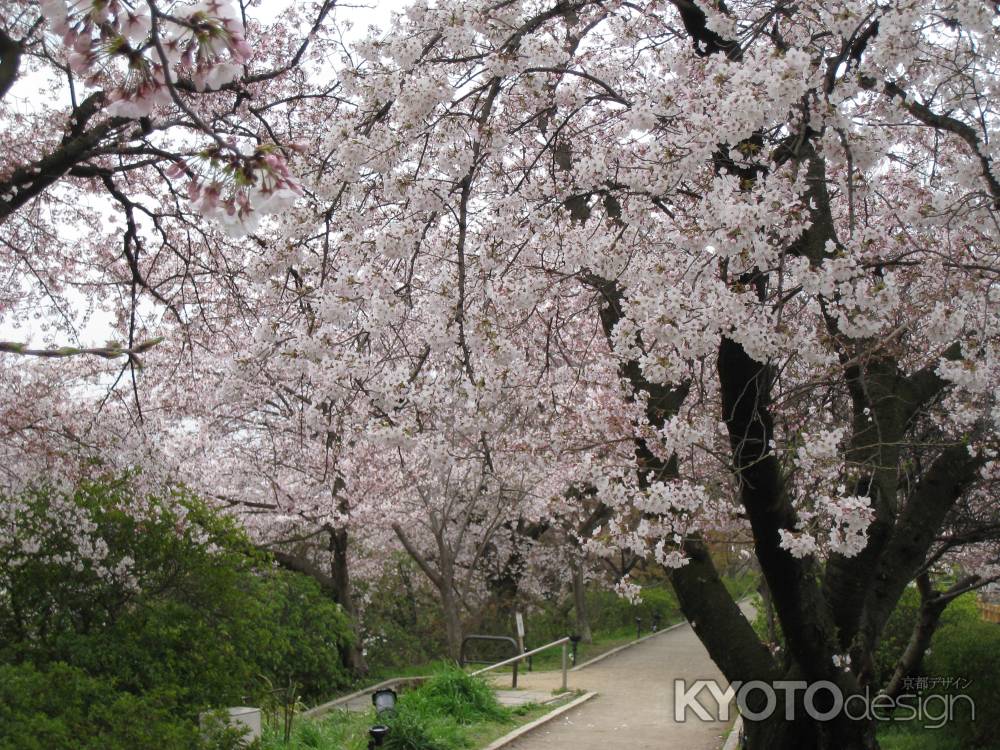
(431,716)
(898,629)
(157,606)
(909,736)
(610,612)
(970,650)
(63,707)
(300,635)
(452,692)
(412,729)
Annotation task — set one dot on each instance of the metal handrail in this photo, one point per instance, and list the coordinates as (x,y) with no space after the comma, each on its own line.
(561,642)
(463,660)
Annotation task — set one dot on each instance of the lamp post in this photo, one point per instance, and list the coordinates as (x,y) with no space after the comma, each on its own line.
(384,700)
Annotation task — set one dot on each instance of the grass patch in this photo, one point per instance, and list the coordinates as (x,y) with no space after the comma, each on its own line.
(451,711)
(912,736)
(453,693)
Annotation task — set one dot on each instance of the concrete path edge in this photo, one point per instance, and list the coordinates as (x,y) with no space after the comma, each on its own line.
(329,706)
(624,646)
(532,725)
(733,741)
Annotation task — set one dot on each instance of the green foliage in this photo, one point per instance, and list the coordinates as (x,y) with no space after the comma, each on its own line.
(910,736)
(180,615)
(452,692)
(402,623)
(898,629)
(300,635)
(444,713)
(412,729)
(63,707)
(431,716)
(969,649)
(896,634)
(339,730)
(610,615)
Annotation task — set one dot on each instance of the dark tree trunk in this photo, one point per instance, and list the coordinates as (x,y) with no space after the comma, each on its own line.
(452,615)
(580,603)
(823,611)
(354,654)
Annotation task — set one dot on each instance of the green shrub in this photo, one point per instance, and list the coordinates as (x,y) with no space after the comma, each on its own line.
(969,650)
(300,635)
(62,708)
(180,615)
(899,627)
(411,729)
(909,736)
(451,692)
(431,716)
(402,622)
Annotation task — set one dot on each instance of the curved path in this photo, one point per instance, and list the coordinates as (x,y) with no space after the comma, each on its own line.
(634,708)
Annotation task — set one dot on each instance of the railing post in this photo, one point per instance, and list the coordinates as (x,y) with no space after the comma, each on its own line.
(514,685)
(564,665)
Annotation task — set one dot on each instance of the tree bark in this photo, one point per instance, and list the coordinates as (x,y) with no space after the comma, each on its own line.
(450,610)
(340,573)
(580,603)
(10,60)
(443,579)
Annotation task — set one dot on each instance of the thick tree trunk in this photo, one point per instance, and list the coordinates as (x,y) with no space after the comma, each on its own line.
(580,604)
(10,59)
(354,655)
(806,734)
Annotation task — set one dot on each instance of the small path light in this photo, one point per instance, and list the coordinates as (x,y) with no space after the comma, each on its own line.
(575,640)
(384,700)
(378,734)
(638,627)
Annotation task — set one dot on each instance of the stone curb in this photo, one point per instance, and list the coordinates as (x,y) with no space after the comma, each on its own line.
(531,726)
(733,741)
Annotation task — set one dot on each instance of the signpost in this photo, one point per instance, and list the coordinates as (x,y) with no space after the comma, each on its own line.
(519,622)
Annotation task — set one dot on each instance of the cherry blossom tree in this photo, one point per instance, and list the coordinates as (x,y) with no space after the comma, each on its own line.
(783,222)
(723,263)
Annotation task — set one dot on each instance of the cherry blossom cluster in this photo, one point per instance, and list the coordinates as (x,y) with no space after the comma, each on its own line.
(62,534)
(112,44)
(831,525)
(237,185)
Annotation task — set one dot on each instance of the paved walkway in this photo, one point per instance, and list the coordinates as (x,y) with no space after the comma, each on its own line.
(634,708)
